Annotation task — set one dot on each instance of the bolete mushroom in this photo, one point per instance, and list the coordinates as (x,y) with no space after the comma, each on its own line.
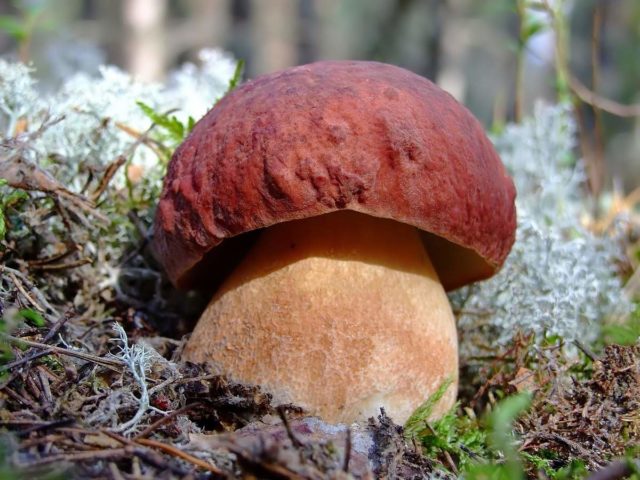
(349,196)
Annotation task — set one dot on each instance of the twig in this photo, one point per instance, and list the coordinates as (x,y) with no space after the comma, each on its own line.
(32,386)
(599,164)
(584,349)
(151,428)
(180,381)
(283,416)
(56,327)
(50,438)
(23,360)
(171,450)
(27,175)
(106,178)
(447,455)
(347,452)
(19,398)
(163,384)
(45,387)
(261,469)
(40,297)
(24,293)
(106,454)
(63,351)
(519,77)
(142,137)
(65,422)
(64,266)
(71,248)
(610,106)
(577,87)
(33,355)
(144,453)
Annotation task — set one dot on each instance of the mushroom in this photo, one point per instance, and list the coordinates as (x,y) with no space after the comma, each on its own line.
(331,206)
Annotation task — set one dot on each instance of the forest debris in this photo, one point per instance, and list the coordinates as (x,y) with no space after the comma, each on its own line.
(109,362)
(392,457)
(319,451)
(20,172)
(180,454)
(593,419)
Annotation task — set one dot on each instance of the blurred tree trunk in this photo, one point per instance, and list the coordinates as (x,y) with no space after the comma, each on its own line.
(451,75)
(196,25)
(433,47)
(274,34)
(239,40)
(307,31)
(145,38)
(389,28)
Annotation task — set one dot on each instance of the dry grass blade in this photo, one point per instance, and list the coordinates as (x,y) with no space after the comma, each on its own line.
(106,178)
(112,363)
(24,293)
(170,449)
(64,266)
(610,106)
(151,428)
(32,289)
(106,454)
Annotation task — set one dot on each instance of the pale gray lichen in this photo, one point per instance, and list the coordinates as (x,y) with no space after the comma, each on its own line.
(560,279)
(99,115)
(138,360)
(18,95)
(539,154)
(75,134)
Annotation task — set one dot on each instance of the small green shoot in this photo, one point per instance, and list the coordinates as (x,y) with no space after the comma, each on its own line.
(172,128)
(500,422)
(456,435)
(416,425)
(237,76)
(32,317)
(174,131)
(575,470)
(20,27)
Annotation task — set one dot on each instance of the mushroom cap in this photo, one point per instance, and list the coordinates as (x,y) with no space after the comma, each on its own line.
(317,138)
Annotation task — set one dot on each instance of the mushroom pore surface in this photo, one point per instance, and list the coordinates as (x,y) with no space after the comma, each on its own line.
(340,314)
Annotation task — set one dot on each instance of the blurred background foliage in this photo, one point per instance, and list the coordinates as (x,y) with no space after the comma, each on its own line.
(498,57)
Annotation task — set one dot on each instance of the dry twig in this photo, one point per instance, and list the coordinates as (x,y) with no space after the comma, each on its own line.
(107,362)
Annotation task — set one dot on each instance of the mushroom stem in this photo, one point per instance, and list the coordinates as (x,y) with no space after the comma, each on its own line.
(341,314)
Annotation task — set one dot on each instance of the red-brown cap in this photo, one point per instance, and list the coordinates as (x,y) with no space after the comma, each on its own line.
(334,135)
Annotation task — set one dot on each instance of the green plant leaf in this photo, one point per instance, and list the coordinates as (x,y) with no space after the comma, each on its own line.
(626,333)
(32,317)
(415,425)
(3,226)
(171,125)
(530,28)
(14,197)
(14,27)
